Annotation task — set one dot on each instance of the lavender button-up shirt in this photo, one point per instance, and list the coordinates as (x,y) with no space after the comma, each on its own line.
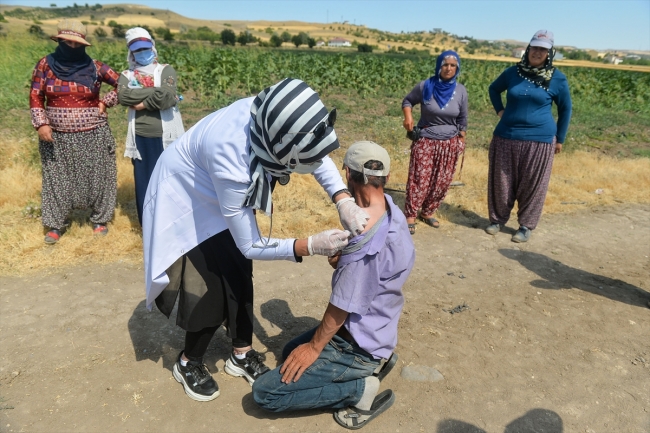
(368,284)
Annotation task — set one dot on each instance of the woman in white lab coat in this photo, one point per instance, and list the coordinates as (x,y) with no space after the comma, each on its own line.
(199,230)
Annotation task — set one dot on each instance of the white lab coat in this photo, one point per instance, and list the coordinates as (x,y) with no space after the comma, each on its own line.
(197,190)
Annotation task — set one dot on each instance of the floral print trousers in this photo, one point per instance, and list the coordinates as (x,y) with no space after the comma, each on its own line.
(431,170)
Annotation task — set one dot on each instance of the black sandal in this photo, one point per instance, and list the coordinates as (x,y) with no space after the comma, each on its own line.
(354,419)
(387,367)
(431,221)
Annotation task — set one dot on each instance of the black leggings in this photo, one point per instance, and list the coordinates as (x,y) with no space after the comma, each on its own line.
(214,285)
(196,343)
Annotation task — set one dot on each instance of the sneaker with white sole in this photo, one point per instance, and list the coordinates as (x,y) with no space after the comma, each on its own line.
(522,235)
(251,367)
(196,379)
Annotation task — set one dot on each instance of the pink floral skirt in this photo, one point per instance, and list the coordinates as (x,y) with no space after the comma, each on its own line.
(431,170)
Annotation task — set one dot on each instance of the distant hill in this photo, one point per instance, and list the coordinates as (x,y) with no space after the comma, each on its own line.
(22,18)
(107,17)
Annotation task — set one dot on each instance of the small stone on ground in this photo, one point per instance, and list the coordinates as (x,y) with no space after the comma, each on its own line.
(421,373)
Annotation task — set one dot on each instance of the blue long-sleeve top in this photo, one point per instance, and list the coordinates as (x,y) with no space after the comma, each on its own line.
(527,115)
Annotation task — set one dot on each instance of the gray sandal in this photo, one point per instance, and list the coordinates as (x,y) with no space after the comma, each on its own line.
(354,419)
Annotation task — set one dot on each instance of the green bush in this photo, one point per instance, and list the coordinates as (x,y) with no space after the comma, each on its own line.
(164,33)
(118,31)
(200,34)
(228,37)
(36,30)
(301,38)
(245,38)
(364,48)
(100,33)
(275,41)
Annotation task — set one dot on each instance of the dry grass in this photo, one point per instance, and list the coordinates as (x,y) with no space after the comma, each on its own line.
(574,181)
(22,237)
(301,207)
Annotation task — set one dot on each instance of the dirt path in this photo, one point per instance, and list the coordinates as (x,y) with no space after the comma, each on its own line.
(557,339)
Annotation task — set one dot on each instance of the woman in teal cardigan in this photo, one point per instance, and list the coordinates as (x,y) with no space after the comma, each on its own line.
(527,136)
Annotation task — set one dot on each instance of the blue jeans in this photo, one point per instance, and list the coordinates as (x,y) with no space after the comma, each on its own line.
(335,380)
(150,150)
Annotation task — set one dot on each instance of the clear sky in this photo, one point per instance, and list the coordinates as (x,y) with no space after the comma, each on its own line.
(596,24)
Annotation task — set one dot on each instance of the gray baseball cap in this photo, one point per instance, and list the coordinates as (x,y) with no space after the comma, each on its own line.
(363,151)
(543,38)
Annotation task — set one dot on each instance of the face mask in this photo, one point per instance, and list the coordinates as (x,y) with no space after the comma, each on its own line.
(70,53)
(144,57)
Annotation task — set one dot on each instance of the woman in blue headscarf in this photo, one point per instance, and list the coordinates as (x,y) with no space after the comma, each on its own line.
(441,138)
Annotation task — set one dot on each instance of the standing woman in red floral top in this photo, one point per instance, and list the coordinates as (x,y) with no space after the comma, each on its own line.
(76,146)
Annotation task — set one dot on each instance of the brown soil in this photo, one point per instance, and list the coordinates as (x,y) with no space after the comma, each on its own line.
(556,338)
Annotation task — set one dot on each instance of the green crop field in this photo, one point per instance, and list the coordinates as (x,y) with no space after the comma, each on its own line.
(611,121)
(611,107)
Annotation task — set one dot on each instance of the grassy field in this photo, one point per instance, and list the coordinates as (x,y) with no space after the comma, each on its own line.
(607,148)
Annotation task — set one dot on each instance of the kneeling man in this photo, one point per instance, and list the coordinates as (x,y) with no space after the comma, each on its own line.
(340,363)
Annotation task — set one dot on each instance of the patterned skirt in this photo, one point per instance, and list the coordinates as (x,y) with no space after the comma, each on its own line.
(431,170)
(79,172)
(520,172)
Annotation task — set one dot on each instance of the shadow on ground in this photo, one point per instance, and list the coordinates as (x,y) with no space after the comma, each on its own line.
(252,409)
(155,338)
(533,421)
(277,312)
(455,214)
(560,276)
(458,215)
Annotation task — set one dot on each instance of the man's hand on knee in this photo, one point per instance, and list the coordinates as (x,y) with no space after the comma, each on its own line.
(298,361)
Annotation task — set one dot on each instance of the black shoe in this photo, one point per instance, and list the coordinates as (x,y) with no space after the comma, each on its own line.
(196,379)
(251,367)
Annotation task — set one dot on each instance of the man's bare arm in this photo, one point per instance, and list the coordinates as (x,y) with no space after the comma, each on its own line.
(304,355)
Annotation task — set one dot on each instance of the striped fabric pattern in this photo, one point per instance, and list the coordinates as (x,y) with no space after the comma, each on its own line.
(283,119)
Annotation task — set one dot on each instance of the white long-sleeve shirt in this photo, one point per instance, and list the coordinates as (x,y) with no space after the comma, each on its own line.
(197,190)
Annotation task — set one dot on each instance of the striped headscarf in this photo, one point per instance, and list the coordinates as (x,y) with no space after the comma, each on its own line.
(284,120)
